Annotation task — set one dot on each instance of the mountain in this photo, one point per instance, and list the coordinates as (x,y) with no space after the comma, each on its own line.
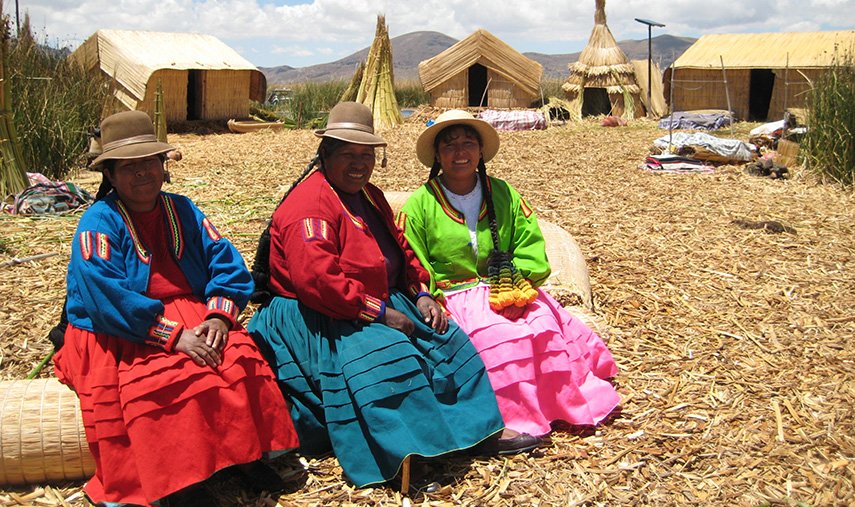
(410,49)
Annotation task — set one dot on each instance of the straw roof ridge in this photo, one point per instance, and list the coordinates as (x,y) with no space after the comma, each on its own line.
(132,56)
(767,50)
(486,49)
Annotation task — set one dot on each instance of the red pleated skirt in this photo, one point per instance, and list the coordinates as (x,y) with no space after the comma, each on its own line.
(156,422)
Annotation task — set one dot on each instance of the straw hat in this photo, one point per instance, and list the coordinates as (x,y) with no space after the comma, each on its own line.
(489,136)
(127,135)
(351,122)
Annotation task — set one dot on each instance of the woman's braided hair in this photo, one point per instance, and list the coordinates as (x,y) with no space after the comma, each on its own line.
(507,285)
(261,262)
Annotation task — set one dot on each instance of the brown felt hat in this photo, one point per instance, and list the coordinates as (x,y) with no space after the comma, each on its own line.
(127,135)
(489,136)
(351,122)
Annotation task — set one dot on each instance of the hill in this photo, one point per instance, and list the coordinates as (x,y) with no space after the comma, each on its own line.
(410,49)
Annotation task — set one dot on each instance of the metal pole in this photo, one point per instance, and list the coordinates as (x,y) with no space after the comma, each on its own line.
(649,70)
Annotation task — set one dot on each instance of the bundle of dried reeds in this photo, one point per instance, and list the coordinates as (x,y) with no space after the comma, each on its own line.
(352,89)
(377,90)
(41,433)
(13,176)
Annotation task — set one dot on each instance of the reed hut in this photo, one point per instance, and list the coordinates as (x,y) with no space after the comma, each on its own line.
(603,81)
(481,71)
(201,77)
(764,73)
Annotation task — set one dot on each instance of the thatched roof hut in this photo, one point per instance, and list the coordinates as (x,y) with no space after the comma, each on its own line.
(202,78)
(766,73)
(603,80)
(481,71)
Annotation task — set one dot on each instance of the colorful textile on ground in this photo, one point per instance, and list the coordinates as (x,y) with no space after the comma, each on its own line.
(514,120)
(44,196)
(545,366)
(675,164)
(370,393)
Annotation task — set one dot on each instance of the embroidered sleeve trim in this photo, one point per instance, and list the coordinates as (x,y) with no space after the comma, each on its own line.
(525,208)
(219,305)
(164,333)
(315,229)
(373,309)
(86,245)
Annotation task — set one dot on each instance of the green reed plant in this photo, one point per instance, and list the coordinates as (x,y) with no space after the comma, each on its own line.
(828,148)
(309,103)
(56,104)
(411,94)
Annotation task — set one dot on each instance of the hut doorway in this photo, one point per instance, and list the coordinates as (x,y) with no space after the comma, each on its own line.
(477,85)
(195,94)
(760,94)
(595,102)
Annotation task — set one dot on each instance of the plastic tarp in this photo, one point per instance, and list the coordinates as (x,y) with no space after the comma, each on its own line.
(705,146)
(696,120)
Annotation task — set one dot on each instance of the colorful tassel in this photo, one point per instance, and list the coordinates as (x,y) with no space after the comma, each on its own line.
(507,285)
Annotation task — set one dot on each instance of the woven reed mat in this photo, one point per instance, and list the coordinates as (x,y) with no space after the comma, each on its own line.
(41,433)
(569,271)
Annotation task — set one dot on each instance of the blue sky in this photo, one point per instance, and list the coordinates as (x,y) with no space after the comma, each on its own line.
(300,33)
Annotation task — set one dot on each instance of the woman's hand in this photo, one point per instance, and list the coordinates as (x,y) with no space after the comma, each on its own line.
(512,312)
(397,320)
(195,347)
(433,314)
(216,332)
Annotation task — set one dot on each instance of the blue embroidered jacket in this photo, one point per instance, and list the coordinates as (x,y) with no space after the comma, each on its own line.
(109,271)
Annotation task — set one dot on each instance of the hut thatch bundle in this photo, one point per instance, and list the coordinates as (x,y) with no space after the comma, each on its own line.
(377,89)
(481,71)
(202,78)
(758,75)
(13,176)
(603,81)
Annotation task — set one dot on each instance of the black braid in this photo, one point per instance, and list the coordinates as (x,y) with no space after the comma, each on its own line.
(434,170)
(487,195)
(261,263)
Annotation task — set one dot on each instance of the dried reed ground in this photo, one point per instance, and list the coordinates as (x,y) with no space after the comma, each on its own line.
(734,345)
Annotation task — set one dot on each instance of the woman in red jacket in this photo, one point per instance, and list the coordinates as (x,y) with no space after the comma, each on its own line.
(372,367)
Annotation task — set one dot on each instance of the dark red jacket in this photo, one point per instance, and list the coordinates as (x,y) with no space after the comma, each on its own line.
(327,258)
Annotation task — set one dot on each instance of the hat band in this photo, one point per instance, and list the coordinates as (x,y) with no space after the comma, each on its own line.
(144,138)
(350,126)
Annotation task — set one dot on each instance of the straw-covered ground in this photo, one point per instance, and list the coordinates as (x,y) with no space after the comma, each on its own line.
(734,343)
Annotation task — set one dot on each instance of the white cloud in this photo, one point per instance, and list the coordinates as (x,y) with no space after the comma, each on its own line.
(324,30)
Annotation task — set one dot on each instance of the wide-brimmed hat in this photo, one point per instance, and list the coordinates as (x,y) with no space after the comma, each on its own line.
(351,122)
(127,135)
(489,136)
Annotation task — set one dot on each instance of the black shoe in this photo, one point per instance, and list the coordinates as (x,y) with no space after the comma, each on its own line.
(260,477)
(505,446)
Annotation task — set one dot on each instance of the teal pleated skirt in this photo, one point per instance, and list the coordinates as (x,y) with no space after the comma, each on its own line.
(371,394)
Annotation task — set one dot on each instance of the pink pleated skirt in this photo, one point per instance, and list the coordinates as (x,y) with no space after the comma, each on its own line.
(546,366)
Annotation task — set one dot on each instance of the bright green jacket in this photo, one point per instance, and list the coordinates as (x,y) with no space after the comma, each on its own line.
(438,234)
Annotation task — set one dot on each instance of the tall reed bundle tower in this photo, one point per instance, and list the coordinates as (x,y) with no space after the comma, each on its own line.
(377,89)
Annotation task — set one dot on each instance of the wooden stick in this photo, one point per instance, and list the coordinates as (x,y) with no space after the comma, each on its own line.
(405,476)
(14,261)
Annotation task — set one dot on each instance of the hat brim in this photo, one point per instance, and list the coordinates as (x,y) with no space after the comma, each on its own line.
(130,151)
(352,136)
(489,139)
